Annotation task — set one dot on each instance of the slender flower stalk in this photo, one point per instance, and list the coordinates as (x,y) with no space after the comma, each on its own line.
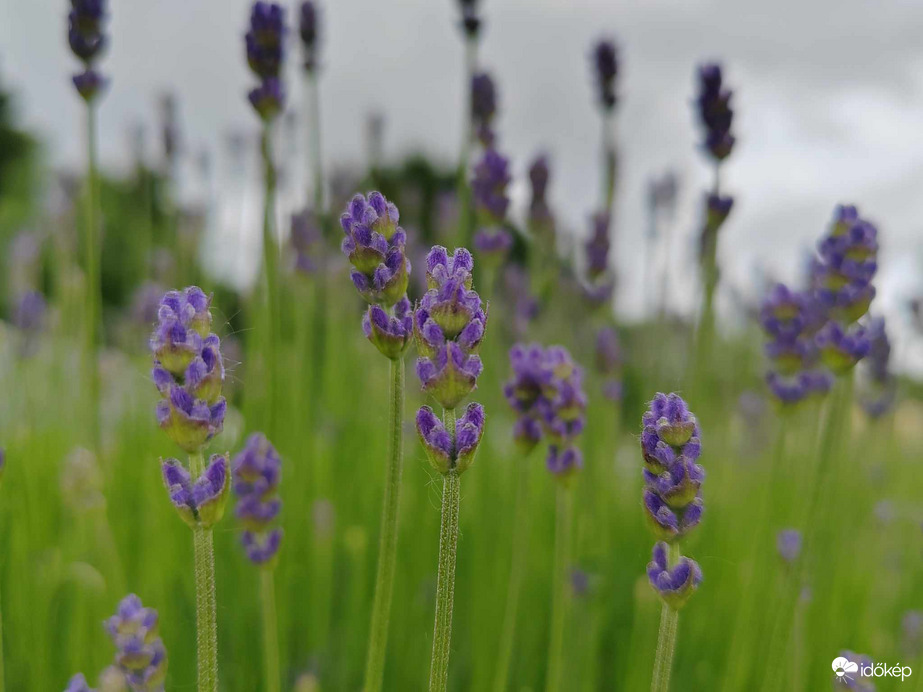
(265,49)
(2,667)
(189,373)
(374,243)
(257,470)
(87,41)
(471,25)
(670,445)
(606,71)
(449,323)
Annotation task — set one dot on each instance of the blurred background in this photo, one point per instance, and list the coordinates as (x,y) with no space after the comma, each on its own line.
(828,100)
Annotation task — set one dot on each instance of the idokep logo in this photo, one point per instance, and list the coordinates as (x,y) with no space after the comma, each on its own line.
(847,671)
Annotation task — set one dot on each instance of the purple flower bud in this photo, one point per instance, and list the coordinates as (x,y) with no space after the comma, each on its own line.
(597,247)
(89,84)
(842,348)
(257,470)
(714,110)
(264,39)
(471,22)
(306,240)
(717,209)
(493,244)
(390,334)
(605,62)
(78,683)
(140,652)
(673,584)
(848,262)
(444,452)
(563,463)
(489,188)
(309,30)
(450,375)
(374,245)
(85,29)
(268,98)
(200,502)
(483,106)
(788,542)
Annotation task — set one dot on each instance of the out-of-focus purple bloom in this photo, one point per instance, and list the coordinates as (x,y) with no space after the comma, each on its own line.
(597,247)
(87,40)
(445,451)
(257,470)
(717,209)
(848,262)
(29,315)
(541,219)
(188,369)
(912,630)
(489,187)
(89,84)
(200,502)
(493,244)
(524,306)
(714,110)
(841,349)
(78,683)
(374,245)
(483,107)
(788,543)
(449,323)
(673,584)
(140,652)
(609,362)
(306,240)
(670,445)
(606,69)
(145,304)
(546,391)
(309,30)
(470,22)
(880,391)
(264,42)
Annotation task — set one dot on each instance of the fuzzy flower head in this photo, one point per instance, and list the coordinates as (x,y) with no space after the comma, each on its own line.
(188,369)
(449,323)
(674,584)
(87,40)
(257,470)
(140,653)
(483,107)
(673,479)
(848,261)
(447,451)
(489,187)
(714,109)
(529,381)
(841,348)
(265,38)
(390,333)
(606,69)
(200,501)
(374,245)
(309,31)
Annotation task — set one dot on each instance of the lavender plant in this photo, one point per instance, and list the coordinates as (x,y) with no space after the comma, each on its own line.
(489,186)
(670,446)
(471,25)
(713,106)
(605,72)
(189,373)
(374,243)
(265,50)
(449,323)
(257,470)
(881,386)
(87,39)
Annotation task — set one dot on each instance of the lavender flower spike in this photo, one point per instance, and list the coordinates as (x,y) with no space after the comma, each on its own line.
(87,40)
(309,30)
(605,62)
(449,324)
(200,502)
(714,107)
(188,369)
(265,44)
(673,584)
(140,652)
(483,107)
(374,245)
(257,470)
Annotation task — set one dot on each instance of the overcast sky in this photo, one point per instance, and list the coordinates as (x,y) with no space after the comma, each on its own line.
(829,99)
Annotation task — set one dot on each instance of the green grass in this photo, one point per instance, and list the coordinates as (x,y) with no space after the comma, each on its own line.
(64,569)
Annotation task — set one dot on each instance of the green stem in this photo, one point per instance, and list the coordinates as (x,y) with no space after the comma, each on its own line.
(93,291)
(445,584)
(666,639)
(270,630)
(517,566)
(206,606)
(2,669)
(387,551)
(559,596)
(270,269)
(466,213)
